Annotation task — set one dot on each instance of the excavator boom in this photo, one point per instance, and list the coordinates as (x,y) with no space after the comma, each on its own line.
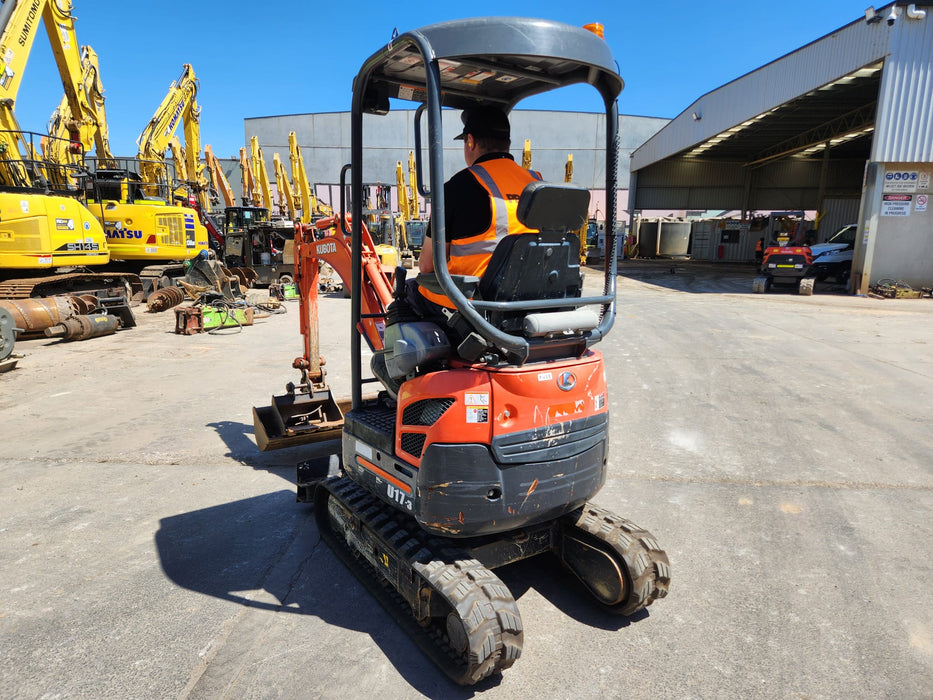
(307,202)
(250,198)
(219,181)
(261,175)
(179,106)
(312,414)
(286,199)
(77,134)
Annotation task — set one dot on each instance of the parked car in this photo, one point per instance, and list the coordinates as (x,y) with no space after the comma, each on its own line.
(834,257)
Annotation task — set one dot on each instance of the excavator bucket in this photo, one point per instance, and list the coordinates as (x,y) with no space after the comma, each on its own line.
(298,419)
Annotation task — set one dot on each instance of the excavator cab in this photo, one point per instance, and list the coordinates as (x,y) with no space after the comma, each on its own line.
(485,434)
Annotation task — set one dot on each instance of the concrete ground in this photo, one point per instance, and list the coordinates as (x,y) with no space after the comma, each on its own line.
(779,447)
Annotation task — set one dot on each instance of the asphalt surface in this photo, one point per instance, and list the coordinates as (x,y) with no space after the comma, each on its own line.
(779,448)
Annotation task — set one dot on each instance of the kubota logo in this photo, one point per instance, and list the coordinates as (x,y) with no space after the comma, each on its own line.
(566,381)
(325,248)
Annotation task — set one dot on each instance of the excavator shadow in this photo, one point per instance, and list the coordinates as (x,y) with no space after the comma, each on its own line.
(240,444)
(265,553)
(545,575)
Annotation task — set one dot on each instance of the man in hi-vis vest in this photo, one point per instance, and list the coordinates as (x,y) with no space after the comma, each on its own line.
(480,200)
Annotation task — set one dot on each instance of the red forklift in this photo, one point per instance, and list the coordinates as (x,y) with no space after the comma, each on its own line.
(480,442)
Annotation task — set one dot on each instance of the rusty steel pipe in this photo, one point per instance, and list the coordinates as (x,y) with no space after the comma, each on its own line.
(35,314)
(84,327)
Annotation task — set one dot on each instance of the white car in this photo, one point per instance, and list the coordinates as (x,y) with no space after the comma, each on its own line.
(834,257)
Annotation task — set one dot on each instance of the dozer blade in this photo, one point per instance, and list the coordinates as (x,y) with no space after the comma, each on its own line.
(299,419)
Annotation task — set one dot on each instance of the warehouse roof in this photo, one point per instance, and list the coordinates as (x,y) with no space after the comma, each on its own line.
(825,91)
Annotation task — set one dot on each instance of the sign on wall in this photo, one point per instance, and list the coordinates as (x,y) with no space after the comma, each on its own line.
(896,204)
(901,180)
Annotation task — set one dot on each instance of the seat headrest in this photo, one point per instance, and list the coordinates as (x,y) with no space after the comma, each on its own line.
(550,206)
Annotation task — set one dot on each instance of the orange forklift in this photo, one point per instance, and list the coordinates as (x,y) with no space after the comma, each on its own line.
(482,439)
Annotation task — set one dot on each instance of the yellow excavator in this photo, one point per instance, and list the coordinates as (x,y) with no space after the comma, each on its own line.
(155,220)
(45,227)
(178,107)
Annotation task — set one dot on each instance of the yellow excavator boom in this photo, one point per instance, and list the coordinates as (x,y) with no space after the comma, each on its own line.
(73,136)
(250,197)
(307,202)
(218,180)
(261,175)
(286,199)
(179,106)
(16,41)
(414,211)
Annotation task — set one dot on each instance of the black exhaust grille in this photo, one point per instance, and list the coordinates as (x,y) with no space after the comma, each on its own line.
(426,412)
(413,443)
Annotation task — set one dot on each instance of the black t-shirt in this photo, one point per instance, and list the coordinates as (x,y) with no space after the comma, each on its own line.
(466,203)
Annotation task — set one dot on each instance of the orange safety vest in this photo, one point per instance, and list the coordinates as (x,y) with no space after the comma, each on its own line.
(504,180)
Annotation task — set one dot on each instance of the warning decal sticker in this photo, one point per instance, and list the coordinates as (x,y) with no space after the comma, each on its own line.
(477,407)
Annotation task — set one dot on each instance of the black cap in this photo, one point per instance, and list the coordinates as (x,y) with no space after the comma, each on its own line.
(481,122)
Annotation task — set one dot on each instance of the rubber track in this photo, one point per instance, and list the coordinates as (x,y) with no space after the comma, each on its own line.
(647,566)
(482,602)
(25,287)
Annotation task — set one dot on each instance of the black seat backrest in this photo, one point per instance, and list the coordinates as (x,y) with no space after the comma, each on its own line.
(533,266)
(544,265)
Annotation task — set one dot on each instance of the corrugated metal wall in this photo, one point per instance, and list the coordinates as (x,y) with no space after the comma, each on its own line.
(904,122)
(325,142)
(838,213)
(788,184)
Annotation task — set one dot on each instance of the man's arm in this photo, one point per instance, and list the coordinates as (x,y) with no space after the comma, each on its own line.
(426,258)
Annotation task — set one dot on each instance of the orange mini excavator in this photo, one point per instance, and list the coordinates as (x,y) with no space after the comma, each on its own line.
(488,434)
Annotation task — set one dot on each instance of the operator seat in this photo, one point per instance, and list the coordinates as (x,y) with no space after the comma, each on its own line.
(523,268)
(541,266)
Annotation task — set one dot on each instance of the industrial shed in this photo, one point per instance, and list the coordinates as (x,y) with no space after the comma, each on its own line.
(325,144)
(842,126)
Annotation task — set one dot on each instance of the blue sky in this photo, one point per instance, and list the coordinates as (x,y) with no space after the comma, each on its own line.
(258,59)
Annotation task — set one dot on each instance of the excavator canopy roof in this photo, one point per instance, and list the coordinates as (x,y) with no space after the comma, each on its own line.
(488,60)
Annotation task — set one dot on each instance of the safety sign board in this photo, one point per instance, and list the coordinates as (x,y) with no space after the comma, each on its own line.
(901,180)
(921,203)
(896,204)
